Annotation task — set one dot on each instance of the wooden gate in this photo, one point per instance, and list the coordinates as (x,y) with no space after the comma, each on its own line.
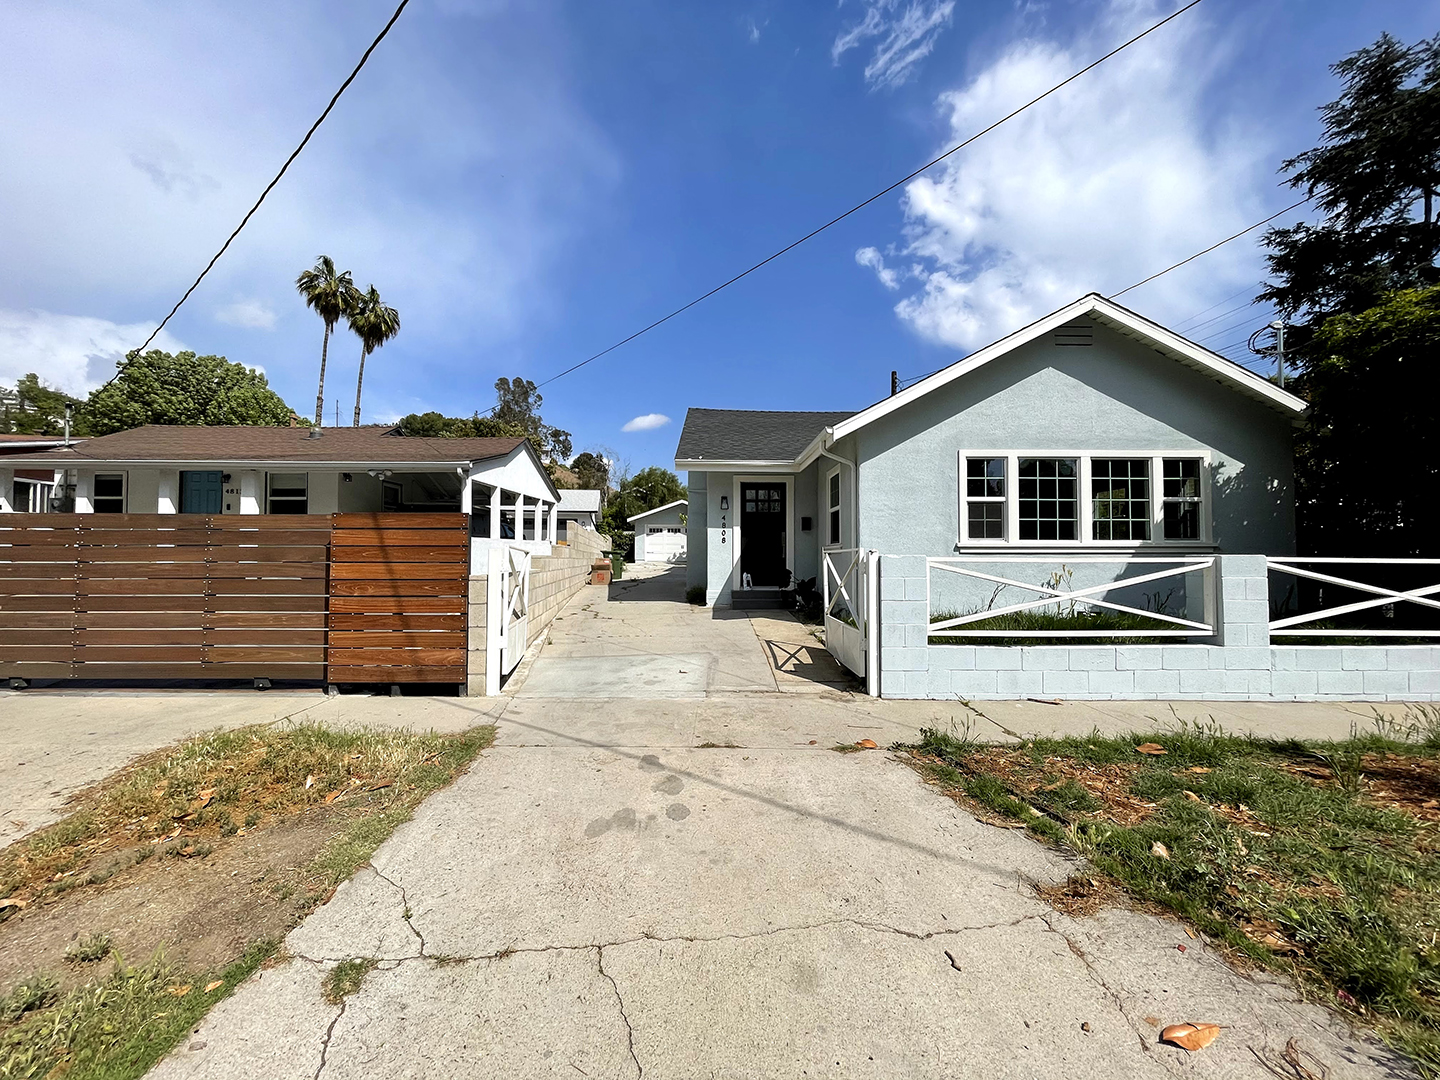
(398,591)
(162,596)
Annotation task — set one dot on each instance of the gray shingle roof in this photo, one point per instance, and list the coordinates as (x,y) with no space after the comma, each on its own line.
(750,435)
(580,500)
(233,445)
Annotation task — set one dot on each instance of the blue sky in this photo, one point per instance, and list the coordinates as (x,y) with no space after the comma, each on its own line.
(529,182)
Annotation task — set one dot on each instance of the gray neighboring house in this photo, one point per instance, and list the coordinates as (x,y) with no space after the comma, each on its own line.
(1091,431)
(660,533)
(580,505)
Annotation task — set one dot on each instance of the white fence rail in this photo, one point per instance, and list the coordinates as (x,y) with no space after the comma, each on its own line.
(1379,596)
(846,575)
(1058,593)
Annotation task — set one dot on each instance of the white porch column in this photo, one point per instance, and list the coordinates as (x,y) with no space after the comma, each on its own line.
(167,497)
(7,481)
(84,485)
(467,496)
(554,522)
(497,500)
(250,495)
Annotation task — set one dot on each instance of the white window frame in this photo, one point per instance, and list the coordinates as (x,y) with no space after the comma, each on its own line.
(966,499)
(269,484)
(1085,529)
(124,492)
(834,478)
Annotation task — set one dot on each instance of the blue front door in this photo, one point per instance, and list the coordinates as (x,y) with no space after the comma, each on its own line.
(200,492)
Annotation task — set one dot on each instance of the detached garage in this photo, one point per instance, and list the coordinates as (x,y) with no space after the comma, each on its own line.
(660,533)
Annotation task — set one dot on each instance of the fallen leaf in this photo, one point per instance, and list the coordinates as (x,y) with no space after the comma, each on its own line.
(380,785)
(211,987)
(1153,1021)
(1159,850)
(332,796)
(13,901)
(1151,748)
(309,781)
(1193,935)
(811,742)
(1190,1036)
(1198,769)
(868,744)
(1191,796)
(205,797)
(178,991)
(1085,1026)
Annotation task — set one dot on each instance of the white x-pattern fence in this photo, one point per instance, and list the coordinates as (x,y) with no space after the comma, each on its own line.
(507,617)
(1057,595)
(1379,596)
(846,576)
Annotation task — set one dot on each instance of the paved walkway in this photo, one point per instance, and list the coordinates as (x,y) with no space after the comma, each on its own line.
(603,894)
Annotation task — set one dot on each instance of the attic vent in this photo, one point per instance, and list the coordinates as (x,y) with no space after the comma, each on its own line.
(1076,333)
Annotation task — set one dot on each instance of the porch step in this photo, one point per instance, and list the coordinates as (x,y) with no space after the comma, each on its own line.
(755,600)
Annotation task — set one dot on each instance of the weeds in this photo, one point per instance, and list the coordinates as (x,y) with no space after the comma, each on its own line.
(88,949)
(1320,858)
(345,978)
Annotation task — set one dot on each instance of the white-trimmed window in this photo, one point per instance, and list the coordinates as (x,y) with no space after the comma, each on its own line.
(107,496)
(832,502)
(1098,499)
(1181,498)
(288,493)
(985,498)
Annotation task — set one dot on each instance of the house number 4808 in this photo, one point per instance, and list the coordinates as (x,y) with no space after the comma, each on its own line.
(722,528)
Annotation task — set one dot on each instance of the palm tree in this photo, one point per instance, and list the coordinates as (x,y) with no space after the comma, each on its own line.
(331,295)
(374,324)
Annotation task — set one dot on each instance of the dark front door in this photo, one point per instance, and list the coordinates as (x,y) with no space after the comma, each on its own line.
(762,535)
(200,492)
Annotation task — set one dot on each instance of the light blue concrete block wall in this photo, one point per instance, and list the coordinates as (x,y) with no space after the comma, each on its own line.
(1239,663)
(1115,395)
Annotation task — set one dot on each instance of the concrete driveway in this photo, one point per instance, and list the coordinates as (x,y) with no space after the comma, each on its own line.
(693,885)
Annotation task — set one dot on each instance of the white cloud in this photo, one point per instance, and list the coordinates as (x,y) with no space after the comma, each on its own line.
(752,29)
(248,315)
(648,422)
(1114,177)
(75,353)
(871,257)
(905,37)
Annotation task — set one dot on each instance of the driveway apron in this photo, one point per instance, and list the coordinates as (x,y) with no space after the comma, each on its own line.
(620,889)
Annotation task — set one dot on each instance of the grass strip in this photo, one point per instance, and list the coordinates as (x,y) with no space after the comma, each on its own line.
(1322,859)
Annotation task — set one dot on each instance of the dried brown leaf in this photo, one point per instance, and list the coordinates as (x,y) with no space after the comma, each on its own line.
(1191,795)
(1190,1036)
(1151,748)
(1159,850)
(868,744)
(212,987)
(178,991)
(332,796)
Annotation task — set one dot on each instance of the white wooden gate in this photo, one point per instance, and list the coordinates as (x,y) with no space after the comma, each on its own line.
(507,613)
(848,575)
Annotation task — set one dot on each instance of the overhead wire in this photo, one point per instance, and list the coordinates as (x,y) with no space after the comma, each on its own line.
(270,186)
(878,195)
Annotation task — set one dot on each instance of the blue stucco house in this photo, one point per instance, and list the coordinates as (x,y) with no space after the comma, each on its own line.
(1090,431)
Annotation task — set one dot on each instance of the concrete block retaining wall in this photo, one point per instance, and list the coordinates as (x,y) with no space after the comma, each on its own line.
(554,579)
(1241,664)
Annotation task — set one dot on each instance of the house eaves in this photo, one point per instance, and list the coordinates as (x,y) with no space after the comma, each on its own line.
(658,509)
(1113,316)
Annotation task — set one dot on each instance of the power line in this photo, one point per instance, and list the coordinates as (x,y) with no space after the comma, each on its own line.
(1217,318)
(245,221)
(1217,303)
(1212,247)
(879,194)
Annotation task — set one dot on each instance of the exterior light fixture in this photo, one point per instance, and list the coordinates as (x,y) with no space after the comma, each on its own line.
(724,502)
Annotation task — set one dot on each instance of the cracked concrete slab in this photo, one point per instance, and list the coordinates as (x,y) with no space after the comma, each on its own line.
(599,896)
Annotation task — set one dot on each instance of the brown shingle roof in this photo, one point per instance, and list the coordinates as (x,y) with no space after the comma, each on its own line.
(232,445)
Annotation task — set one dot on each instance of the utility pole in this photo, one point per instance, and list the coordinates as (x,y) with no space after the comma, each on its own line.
(1279,327)
(337,412)
(894,383)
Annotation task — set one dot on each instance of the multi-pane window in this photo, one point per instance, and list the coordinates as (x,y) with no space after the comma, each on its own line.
(985,498)
(1181,499)
(1049,498)
(289,493)
(1120,498)
(109,493)
(834,505)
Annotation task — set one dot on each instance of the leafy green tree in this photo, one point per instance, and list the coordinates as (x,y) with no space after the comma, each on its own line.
(40,410)
(1374,175)
(647,489)
(1368,464)
(518,403)
(332,296)
(158,388)
(374,324)
(591,470)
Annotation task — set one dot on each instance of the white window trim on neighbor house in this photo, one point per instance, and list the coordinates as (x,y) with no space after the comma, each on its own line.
(735,530)
(1085,508)
(834,510)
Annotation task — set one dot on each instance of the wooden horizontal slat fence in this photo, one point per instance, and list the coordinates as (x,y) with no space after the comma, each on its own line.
(398,585)
(120,597)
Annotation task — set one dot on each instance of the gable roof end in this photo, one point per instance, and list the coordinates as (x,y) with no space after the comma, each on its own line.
(658,509)
(1114,317)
